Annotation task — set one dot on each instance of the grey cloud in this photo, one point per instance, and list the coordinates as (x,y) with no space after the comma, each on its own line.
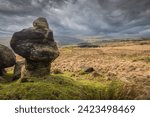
(78,17)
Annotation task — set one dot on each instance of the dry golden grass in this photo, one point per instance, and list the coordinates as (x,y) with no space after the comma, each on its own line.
(129,63)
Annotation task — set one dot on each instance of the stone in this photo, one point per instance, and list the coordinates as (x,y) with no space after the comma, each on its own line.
(41,25)
(7,58)
(37,46)
(88,69)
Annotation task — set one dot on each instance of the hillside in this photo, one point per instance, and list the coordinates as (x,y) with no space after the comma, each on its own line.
(5,41)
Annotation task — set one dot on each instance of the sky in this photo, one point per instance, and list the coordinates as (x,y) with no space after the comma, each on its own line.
(111,18)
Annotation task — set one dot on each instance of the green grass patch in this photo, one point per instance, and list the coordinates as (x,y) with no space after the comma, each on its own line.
(62,87)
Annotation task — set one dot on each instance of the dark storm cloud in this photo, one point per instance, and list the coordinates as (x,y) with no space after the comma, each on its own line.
(78,17)
(27,7)
(127,16)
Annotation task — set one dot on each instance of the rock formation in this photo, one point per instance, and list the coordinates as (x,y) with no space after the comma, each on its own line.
(7,58)
(37,46)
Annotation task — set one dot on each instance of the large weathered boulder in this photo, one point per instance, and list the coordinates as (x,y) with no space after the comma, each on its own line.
(7,58)
(30,44)
(37,46)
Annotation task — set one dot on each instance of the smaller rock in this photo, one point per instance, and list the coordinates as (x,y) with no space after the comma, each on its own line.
(7,58)
(41,24)
(88,69)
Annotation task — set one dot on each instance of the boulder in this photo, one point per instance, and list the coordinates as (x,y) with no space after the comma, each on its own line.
(88,69)
(7,58)
(30,44)
(37,46)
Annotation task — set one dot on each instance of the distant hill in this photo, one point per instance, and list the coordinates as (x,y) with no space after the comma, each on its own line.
(5,41)
(85,45)
(79,41)
(68,40)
